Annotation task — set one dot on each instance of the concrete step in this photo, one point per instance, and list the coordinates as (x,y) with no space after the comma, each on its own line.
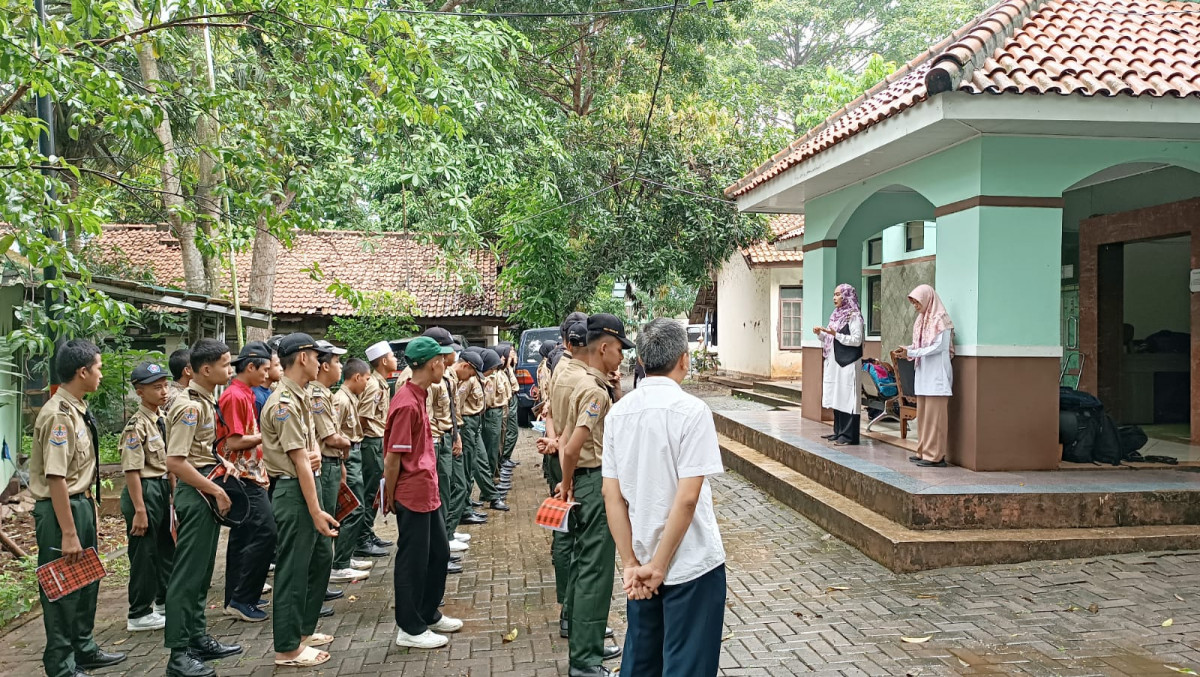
(730,382)
(907,550)
(764,398)
(788,390)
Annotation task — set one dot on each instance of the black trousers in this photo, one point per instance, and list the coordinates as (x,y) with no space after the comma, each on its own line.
(422,553)
(251,549)
(846,426)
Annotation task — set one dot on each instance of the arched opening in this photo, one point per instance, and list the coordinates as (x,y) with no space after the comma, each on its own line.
(1130,317)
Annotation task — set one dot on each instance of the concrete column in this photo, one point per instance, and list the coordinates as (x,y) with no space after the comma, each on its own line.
(998,272)
(820,269)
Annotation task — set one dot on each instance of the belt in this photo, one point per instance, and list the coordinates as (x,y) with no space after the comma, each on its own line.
(81,495)
(154,478)
(586,471)
(495,408)
(331,460)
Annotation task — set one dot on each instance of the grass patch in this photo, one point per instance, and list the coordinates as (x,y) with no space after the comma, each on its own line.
(18,589)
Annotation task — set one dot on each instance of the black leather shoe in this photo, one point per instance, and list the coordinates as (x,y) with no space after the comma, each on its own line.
(331,594)
(100,659)
(370,550)
(829,437)
(476,504)
(380,543)
(472,519)
(610,652)
(79,673)
(595,671)
(455,558)
(502,487)
(932,464)
(454,568)
(207,648)
(326,612)
(498,504)
(184,664)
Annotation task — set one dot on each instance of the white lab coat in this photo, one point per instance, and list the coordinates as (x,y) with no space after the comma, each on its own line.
(839,385)
(934,375)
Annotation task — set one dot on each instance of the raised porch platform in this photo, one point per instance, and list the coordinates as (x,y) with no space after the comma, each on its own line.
(911,518)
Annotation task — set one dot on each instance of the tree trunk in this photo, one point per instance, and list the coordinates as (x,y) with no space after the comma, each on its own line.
(193,263)
(263,260)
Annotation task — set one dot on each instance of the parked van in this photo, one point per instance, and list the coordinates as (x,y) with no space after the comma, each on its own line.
(528,359)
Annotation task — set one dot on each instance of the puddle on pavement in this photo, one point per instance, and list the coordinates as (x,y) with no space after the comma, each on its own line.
(1025,660)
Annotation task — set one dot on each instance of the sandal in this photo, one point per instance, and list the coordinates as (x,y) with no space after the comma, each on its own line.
(308,658)
(317,639)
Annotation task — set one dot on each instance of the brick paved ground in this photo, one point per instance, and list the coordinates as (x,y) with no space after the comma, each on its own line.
(787,612)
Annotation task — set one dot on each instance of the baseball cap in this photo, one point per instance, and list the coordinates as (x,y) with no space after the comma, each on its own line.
(251,350)
(571,320)
(294,343)
(330,348)
(440,335)
(577,334)
(472,359)
(547,348)
(147,372)
(423,349)
(378,350)
(491,359)
(611,325)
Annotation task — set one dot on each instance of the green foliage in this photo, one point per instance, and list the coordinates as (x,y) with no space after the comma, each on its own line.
(115,401)
(838,88)
(704,362)
(18,589)
(381,316)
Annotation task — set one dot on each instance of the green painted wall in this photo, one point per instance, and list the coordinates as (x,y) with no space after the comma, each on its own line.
(1046,167)
(10,406)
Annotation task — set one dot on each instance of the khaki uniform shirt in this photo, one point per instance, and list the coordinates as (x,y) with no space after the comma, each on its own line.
(192,426)
(173,391)
(491,394)
(543,379)
(142,445)
(348,422)
(373,406)
(452,388)
(62,446)
(589,404)
(287,425)
(514,386)
(437,403)
(559,395)
(471,396)
(404,377)
(324,415)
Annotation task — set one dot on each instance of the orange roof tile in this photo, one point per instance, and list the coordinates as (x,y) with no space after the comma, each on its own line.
(783,227)
(366,262)
(1066,47)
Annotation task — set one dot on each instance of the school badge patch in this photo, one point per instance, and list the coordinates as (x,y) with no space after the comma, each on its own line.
(318,405)
(593,409)
(282,412)
(132,442)
(190,417)
(58,435)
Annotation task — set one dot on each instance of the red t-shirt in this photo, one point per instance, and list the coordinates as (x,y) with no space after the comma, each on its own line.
(408,434)
(237,408)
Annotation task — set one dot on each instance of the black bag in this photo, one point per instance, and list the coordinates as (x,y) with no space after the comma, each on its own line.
(846,355)
(1087,434)
(234,488)
(1132,439)
(1107,446)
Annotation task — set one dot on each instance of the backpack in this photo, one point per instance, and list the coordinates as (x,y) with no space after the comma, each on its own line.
(1088,435)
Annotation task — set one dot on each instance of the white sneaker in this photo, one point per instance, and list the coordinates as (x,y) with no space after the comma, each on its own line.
(267,588)
(150,621)
(161,610)
(347,575)
(458,546)
(447,624)
(425,640)
(361,564)
(465,538)
(271,569)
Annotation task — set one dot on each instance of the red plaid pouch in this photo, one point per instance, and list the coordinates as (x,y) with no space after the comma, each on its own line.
(59,579)
(346,503)
(553,514)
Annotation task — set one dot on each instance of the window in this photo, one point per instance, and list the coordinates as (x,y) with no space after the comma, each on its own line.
(875,251)
(791,329)
(874,300)
(914,236)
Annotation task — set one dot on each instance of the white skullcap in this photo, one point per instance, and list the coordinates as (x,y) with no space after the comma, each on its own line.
(378,350)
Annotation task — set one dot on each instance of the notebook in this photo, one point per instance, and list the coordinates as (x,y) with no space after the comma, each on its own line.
(346,503)
(59,579)
(553,514)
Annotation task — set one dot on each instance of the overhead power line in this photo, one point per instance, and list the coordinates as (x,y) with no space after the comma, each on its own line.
(533,15)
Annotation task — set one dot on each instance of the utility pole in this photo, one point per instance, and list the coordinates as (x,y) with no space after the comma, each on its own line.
(46,146)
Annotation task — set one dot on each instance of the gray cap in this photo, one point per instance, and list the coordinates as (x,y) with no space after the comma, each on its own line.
(147,372)
(330,348)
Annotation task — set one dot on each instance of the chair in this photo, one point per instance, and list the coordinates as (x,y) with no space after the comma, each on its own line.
(906,374)
(873,399)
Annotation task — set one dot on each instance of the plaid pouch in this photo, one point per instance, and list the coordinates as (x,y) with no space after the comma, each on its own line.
(553,514)
(59,579)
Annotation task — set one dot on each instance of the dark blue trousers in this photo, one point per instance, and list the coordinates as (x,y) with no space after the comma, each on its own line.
(677,633)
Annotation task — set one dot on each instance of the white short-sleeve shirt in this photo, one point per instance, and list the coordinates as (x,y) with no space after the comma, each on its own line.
(653,437)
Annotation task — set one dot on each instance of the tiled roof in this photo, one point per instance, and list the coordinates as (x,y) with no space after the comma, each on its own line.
(1066,47)
(365,262)
(783,227)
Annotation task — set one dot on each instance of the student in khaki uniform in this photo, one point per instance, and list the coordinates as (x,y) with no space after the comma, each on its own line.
(494,394)
(333,445)
(291,454)
(489,434)
(191,456)
(180,365)
(372,409)
(592,393)
(146,501)
(511,429)
(454,498)
(469,401)
(442,413)
(355,375)
(62,470)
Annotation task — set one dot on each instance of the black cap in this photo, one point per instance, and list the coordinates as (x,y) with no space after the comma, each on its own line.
(440,335)
(577,334)
(571,319)
(610,325)
(472,359)
(273,342)
(547,348)
(491,359)
(474,349)
(251,350)
(294,343)
(503,350)
(147,372)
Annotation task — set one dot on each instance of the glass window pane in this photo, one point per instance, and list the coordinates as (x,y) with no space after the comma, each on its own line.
(791,293)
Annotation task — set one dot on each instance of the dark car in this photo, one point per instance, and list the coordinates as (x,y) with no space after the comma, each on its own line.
(528,359)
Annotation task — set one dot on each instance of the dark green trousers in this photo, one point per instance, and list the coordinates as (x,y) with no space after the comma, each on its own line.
(301,568)
(592,569)
(151,556)
(458,491)
(510,430)
(493,422)
(372,472)
(350,533)
(69,621)
(561,545)
(444,448)
(195,555)
(478,468)
(328,484)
